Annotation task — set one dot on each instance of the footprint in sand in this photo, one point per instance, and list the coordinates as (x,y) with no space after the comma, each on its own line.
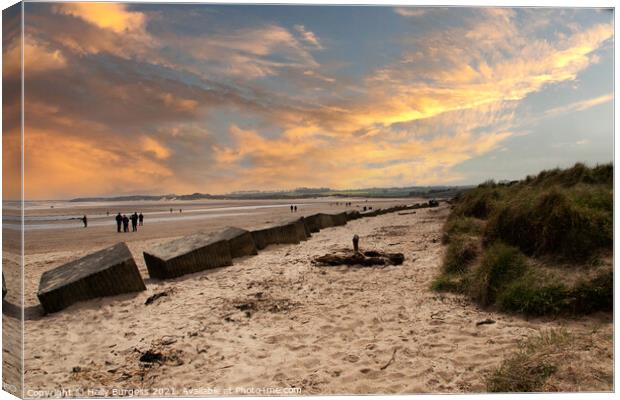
(352,358)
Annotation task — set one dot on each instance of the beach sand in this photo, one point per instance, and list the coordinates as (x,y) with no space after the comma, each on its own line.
(277,320)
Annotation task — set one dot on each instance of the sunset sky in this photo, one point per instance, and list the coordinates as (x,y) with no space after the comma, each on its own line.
(155,99)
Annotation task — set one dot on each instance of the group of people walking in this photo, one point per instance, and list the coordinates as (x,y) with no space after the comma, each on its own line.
(293,208)
(122,220)
(340,203)
(135,218)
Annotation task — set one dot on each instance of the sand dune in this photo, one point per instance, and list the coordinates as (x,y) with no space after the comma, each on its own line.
(276,320)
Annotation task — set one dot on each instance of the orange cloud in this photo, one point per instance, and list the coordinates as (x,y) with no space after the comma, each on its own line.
(151,145)
(11,163)
(170,100)
(113,16)
(37,57)
(343,162)
(450,97)
(57,165)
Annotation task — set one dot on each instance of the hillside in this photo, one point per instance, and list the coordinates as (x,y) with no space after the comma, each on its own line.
(441,192)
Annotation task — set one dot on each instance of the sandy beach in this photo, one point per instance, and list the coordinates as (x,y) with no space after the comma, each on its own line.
(276,320)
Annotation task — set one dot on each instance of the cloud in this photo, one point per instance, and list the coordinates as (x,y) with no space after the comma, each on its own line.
(150,145)
(308,36)
(411,11)
(38,58)
(80,165)
(113,16)
(216,107)
(403,155)
(579,105)
(247,53)
(447,71)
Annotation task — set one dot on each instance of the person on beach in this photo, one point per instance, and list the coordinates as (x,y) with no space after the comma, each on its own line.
(119,221)
(295,208)
(141,219)
(125,223)
(291,208)
(134,221)
(85,221)
(171,211)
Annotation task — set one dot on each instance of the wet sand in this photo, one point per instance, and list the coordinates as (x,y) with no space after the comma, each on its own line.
(276,320)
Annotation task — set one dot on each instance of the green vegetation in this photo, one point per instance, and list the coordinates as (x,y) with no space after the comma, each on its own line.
(460,254)
(500,265)
(539,246)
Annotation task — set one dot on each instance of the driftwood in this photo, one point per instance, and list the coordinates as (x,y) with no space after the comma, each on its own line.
(391,360)
(485,322)
(366,259)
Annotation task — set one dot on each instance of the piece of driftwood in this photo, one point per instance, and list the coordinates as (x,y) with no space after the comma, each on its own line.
(366,259)
(391,360)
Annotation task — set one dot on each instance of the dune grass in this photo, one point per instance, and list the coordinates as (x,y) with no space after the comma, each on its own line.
(511,245)
(557,360)
(528,368)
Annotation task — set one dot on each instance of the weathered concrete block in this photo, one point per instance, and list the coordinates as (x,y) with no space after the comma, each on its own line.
(240,241)
(354,214)
(187,255)
(325,220)
(339,219)
(312,223)
(371,213)
(300,229)
(306,228)
(108,272)
(278,234)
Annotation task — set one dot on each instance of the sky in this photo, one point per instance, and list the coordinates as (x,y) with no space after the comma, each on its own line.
(156,99)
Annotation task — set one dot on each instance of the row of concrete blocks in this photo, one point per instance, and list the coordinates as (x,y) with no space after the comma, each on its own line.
(381,211)
(113,270)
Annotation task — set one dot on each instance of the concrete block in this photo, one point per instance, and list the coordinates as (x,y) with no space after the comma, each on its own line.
(312,223)
(339,219)
(187,255)
(108,272)
(240,241)
(277,234)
